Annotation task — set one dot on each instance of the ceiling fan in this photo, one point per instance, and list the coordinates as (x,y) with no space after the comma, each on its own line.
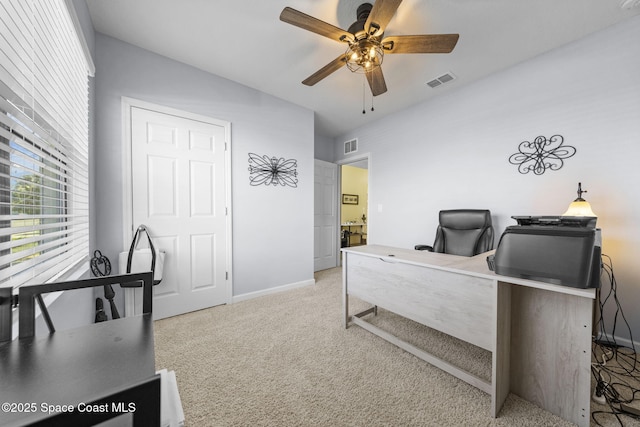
(366,44)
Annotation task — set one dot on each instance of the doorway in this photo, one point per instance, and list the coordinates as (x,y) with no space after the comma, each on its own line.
(354,203)
(332,186)
(178,185)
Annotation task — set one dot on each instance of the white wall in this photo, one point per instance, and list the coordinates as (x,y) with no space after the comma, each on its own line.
(323,148)
(272,226)
(453,151)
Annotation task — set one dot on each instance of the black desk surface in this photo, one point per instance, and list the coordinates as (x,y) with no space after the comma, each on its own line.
(74,366)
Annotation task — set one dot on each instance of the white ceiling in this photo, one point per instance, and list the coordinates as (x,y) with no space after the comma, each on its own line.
(244,41)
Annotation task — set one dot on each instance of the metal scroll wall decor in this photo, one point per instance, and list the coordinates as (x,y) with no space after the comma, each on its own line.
(541,154)
(265,170)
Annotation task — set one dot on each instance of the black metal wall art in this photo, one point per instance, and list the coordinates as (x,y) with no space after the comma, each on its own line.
(272,171)
(541,154)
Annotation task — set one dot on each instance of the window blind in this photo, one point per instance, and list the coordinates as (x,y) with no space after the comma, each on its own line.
(44,184)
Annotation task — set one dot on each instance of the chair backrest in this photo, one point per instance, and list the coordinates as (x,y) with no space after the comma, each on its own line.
(27,296)
(465,232)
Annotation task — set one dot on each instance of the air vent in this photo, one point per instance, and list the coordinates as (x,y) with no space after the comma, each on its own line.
(351,146)
(445,78)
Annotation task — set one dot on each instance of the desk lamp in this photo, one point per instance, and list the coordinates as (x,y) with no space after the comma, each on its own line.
(579,207)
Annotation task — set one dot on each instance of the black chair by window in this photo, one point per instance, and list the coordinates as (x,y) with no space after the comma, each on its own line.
(465,232)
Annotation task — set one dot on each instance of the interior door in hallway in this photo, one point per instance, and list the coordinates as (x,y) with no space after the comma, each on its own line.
(179,192)
(325,219)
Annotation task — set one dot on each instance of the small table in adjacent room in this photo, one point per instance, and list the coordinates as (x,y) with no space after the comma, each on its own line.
(348,229)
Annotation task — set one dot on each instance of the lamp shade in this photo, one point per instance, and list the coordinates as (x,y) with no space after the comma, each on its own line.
(579,207)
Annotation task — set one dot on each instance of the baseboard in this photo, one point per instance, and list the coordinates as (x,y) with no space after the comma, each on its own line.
(625,342)
(274,290)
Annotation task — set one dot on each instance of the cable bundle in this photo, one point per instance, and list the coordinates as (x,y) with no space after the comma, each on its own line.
(614,366)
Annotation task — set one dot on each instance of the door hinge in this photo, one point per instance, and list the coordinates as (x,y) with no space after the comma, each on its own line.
(226,275)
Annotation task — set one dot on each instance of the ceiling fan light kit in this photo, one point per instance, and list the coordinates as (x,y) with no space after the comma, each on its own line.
(364,55)
(366,45)
(365,51)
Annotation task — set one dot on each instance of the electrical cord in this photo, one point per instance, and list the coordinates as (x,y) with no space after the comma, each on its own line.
(615,367)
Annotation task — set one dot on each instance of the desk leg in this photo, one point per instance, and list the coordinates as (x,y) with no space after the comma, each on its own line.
(551,351)
(500,381)
(345,295)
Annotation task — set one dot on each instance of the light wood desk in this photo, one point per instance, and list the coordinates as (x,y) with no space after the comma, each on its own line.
(539,334)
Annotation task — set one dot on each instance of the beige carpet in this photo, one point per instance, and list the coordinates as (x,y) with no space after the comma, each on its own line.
(286,360)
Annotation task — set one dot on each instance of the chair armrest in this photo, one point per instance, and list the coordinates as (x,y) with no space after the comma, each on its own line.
(424,248)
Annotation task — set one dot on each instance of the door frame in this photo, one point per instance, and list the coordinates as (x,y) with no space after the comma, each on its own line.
(356,158)
(127,182)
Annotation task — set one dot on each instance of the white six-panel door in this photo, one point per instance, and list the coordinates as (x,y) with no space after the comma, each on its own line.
(325,220)
(178,191)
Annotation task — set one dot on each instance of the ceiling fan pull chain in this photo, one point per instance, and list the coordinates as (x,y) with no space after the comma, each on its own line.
(363,91)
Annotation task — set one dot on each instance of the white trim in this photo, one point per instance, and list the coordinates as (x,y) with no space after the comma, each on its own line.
(355,158)
(275,290)
(127,183)
(91,68)
(625,342)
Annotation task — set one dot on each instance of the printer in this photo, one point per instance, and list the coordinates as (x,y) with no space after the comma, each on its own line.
(561,250)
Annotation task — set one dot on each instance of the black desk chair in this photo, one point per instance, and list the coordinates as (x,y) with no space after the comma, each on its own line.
(465,232)
(28,295)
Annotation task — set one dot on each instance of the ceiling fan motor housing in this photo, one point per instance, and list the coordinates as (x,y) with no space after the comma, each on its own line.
(362,14)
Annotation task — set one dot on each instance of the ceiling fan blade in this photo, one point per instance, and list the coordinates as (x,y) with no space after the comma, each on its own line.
(309,23)
(376,81)
(381,14)
(428,43)
(323,72)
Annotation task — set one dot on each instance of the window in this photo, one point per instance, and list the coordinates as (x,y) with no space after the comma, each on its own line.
(44,184)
